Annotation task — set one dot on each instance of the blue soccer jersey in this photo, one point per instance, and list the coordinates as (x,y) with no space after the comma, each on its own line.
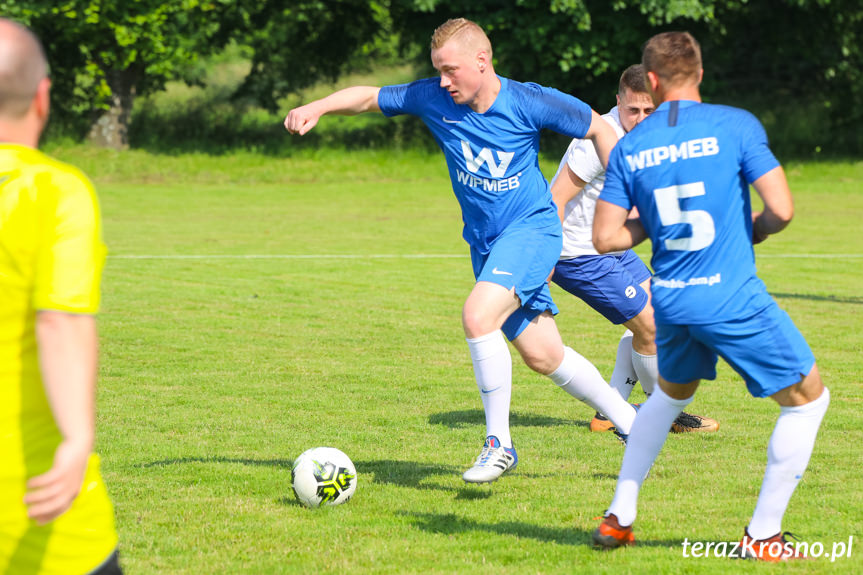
(493,157)
(687,168)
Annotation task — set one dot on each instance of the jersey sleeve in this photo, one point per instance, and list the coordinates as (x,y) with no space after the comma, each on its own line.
(615,190)
(405,98)
(583,161)
(71,254)
(756,157)
(553,110)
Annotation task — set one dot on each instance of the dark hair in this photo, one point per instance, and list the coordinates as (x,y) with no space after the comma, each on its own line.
(634,79)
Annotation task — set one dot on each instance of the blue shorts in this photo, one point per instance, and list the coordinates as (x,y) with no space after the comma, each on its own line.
(610,284)
(521,258)
(766,349)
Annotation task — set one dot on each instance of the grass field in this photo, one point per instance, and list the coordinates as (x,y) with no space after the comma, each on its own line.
(257,306)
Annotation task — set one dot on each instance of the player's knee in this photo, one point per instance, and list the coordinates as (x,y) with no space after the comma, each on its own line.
(476,323)
(644,342)
(541,361)
(643,331)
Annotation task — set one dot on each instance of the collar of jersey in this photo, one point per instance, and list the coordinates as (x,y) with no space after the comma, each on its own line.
(683,104)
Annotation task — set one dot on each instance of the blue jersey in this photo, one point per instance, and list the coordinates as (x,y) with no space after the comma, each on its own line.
(493,157)
(687,168)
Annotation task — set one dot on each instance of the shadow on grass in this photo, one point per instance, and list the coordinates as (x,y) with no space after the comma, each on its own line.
(467,417)
(451,524)
(830,298)
(407,473)
(284,463)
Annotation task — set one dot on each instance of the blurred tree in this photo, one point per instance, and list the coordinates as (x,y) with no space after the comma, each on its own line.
(104,53)
(296,44)
(775,55)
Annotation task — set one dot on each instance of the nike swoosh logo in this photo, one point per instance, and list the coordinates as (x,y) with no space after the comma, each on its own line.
(448,121)
(3,179)
(498,272)
(489,390)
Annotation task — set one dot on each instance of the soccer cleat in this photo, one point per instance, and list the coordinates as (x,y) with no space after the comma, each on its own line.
(773,549)
(600,423)
(688,423)
(611,534)
(494,460)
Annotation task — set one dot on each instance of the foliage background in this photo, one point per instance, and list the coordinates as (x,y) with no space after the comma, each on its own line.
(795,63)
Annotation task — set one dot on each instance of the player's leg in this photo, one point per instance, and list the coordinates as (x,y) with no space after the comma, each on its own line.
(606,283)
(506,276)
(773,361)
(788,453)
(542,349)
(643,357)
(684,360)
(643,354)
(623,380)
(484,311)
(602,282)
(648,435)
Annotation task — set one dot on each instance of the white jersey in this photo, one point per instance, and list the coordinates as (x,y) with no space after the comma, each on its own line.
(582,159)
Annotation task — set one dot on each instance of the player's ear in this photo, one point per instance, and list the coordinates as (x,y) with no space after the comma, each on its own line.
(42,100)
(700,75)
(653,87)
(482,60)
(653,81)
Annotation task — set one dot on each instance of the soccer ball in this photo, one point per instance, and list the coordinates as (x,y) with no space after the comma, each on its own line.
(323,476)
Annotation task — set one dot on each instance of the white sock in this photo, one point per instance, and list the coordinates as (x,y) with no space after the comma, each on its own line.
(645,440)
(787,458)
(580,379)
(624,377)
(492,366)
(647,369)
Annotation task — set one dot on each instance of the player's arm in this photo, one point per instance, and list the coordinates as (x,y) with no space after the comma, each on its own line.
(773,189)
(603,137)
(566,186)
(614,230)
(347,102)
(67,359)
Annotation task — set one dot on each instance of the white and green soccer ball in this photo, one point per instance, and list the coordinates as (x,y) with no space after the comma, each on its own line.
(323,476)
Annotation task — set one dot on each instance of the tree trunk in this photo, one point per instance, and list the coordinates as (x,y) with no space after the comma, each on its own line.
(111,127)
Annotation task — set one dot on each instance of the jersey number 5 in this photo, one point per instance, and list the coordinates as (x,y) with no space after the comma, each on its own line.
(668,205)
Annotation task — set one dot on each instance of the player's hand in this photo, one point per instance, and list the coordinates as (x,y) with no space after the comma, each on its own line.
(301,120)
(756,237)
(49,495)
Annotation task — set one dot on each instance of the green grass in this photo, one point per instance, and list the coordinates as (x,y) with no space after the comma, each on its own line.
(216,372)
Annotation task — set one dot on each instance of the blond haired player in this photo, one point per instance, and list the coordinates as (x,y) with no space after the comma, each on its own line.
(55,515)
(488,128)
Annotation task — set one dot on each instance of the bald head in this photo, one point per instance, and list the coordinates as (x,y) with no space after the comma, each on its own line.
(23,66)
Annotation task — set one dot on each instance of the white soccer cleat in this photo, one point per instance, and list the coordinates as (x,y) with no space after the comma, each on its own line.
(494,460)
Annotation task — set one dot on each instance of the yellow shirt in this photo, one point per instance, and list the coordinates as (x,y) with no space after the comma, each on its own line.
(51,258)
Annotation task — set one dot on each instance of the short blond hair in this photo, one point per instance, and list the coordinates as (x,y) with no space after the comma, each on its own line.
(465,31)
(673,56)
(22,67)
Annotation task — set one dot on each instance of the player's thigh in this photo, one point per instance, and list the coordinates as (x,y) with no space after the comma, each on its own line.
(681,357)
(487,308)
(605,284)
(766,349)
(540,344)
(521,258)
